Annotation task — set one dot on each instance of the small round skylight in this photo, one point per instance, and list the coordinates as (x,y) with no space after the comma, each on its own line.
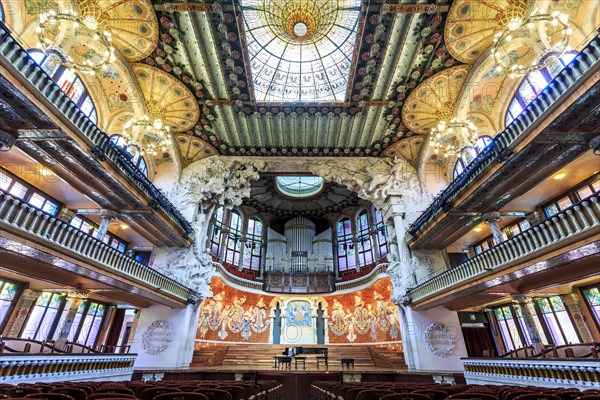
(299,186)
(300,29)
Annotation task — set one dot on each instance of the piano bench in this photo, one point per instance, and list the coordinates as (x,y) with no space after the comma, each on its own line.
(324,360)
(347,362)
(302,360)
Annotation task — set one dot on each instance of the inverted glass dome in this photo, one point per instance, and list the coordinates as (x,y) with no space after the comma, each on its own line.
(300,50)
(299,186)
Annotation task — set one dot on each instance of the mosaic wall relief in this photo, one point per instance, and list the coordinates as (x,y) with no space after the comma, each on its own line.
(364,316)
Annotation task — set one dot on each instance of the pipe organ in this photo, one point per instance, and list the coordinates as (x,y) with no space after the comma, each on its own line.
(299,250)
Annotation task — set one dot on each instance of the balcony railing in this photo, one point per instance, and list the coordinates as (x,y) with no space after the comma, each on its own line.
(103,147)
(505,141)
(43,226)
(20,368)
(576,373)
(575,220)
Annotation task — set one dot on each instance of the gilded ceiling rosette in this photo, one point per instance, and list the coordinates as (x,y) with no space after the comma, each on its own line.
(167,98)
(471,25)
(193,149)
(434,99)
(132,23)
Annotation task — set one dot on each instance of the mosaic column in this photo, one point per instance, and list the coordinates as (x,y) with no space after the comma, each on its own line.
(75,299)
(493,219)
(571,301)
(529,321)
(26,301)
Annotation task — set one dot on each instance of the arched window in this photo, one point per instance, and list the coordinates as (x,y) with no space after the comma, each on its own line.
(365,245)
(345,245)
(217,230)
(232,251)
(533,84)
(253,246)
(464,159)
(69,82)
(140,162)
(381,233)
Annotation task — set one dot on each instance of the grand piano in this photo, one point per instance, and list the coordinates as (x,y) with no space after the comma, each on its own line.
(299,353)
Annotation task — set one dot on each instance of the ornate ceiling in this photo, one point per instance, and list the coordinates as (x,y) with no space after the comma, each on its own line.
(371,79)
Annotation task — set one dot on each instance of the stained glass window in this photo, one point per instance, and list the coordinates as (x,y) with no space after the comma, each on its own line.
(345,245)
(88,332)
(8,296)
(508,328)
(300,50)
(365,244)
(534,83)
(217,231)
(43,317)
(592,299)
(233,244)
(381,234)
(253,245)
(558,321)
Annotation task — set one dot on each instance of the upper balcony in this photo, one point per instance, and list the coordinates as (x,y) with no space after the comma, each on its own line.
(558,126)
(54,132)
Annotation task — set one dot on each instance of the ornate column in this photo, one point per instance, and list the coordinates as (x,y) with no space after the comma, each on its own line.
(26,301)
(571,301)
(76,298)
(106,218)
(66,215)
(493,219)
(523,301)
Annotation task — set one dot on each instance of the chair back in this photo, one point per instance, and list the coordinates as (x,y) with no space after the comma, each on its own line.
(236,392)
(21,391)
(151,393)
(373,394)
(49,396)
(215,394)
(181,396)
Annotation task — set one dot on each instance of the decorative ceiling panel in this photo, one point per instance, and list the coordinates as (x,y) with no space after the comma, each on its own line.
(471,25)
(434,99)
(133,25)
(193,149)
(166,98)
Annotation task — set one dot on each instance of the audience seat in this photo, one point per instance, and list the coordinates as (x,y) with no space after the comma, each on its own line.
(98,396)
(151,393)
(21,391)
(49,396)
(537,396)
(472,396)
(215,394)
(181,396)
(75,392)
(409,396)
(373,394)
(115,390)
(236,392)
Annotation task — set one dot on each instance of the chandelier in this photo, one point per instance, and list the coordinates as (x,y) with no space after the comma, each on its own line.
(146,136)
(554,33)
(78,41)
(444,137)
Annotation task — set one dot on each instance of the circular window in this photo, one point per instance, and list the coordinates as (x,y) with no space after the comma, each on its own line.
(299,186)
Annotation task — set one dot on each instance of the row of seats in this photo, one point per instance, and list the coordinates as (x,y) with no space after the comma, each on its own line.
(411,391)
(137,390)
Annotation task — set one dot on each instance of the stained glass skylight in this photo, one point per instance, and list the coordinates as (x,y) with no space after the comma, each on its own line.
(300,50)
(299,186)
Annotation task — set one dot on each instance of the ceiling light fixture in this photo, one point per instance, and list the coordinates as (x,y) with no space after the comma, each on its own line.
(444,137)
(553,33)
(477,229)
(61,33)
(559,176)
(146,136)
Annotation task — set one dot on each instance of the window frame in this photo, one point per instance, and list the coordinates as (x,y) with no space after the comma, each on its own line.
(363,235)
(556,319)
(256,242)
(55,319)
(121,246)
(595,316)
(347,241)
(19,286)
(233,234)
(30,191)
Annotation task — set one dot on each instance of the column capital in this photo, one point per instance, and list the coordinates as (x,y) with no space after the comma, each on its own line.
(78,294)
(491,217)
(521,298)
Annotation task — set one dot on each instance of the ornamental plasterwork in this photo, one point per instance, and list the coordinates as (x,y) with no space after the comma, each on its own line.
(157,337)
(439,340)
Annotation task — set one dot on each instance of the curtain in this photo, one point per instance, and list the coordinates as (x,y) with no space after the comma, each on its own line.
(112,339)
(478,341)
